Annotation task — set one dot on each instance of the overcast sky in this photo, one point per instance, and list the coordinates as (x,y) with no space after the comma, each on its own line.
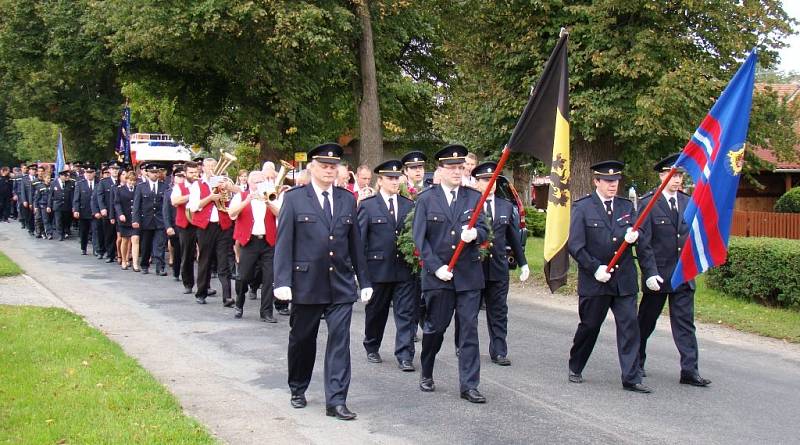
(790,56)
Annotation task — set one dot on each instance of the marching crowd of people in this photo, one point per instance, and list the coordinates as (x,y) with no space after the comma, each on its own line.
(316,247)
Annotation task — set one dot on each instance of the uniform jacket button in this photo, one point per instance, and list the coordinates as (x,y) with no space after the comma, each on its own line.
(330,268)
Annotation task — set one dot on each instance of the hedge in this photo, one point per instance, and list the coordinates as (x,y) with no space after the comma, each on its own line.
(535,221)
(764,270)
(789,202)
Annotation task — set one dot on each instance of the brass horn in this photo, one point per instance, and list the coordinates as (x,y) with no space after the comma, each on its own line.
(225,160)
(273,192)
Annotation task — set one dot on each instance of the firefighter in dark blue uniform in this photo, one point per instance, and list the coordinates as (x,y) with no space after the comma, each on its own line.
(82,207)
(663,235)
(105,203)
(148,218)
(61,204)
(598,224)
(381,220)
(42,213)
(318,254)
(440,222)
(414,169)
(504,220)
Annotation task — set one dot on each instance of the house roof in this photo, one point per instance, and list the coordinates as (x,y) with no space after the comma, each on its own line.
(792,92)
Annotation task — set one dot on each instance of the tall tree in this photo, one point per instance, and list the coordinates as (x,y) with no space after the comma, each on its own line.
(369,109)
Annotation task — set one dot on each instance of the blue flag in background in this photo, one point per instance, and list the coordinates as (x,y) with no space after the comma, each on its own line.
(60,161)
(124,136)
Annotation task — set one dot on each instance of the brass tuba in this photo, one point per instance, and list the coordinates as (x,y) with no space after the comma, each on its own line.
(219,177)
(274,192)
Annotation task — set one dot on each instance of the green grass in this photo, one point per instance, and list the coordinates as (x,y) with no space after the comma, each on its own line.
(8,268)
(64,382)
(710,306)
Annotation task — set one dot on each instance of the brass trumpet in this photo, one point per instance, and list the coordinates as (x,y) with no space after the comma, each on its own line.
(219,178)
(273,192)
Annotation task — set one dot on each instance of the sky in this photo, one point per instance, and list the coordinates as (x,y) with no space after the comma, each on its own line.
(790,56)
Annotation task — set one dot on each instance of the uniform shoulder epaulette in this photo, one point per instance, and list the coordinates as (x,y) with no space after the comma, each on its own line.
(297,187)
(407,199)
(425,190)
(648,194)
(369,197)
(623,198)
(583,197)
(684,193)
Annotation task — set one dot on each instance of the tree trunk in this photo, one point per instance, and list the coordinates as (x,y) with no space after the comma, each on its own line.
(584,154)
(369,112)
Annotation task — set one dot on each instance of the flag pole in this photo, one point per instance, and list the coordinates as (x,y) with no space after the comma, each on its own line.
(640,220)
(478,207)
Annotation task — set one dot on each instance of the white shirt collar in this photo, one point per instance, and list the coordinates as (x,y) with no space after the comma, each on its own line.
(386,197)
(668,195)
(319,191)
(603,200)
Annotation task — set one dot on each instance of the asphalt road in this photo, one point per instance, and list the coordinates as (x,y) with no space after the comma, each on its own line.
(231,374)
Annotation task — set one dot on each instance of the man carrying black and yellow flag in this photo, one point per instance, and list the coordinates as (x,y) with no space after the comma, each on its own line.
(543,132)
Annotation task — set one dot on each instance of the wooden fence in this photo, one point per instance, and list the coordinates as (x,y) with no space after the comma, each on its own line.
(769,224)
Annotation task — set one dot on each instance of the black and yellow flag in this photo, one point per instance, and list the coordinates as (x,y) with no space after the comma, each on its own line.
(543,132)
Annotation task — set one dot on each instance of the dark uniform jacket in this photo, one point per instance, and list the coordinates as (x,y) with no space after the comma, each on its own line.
(379,232)
(105,198)
(82,199)
(168,210)
(505,228)
(661,240)
(123,204)
(593,239)
(317,258)
(6,187)
(61,197)
(148,206)
(41,195)
(437,232)
(26,187)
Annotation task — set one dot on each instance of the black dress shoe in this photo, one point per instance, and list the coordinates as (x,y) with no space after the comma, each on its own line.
(200,300)
(473,396)
(406,366)
(340,412)
(268,318)
(83,252)
(575,377)
(228,303)
(161,272)
(237,312)
(110,260)
(637,387)
(298,401)
(374,357)
(284,311)
(145,271)
(426,384)
(101,256)
(187,290)
(694,380)
(211,293)
(502,360)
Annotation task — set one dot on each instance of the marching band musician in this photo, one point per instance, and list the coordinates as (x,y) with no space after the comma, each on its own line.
(187,232)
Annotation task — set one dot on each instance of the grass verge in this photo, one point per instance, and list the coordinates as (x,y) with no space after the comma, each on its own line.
(8,268)
(64,382)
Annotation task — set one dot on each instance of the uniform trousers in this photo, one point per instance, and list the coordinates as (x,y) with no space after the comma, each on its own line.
(188,241)
(152,242)
(402,296)
(98,238)
(175,242)
(440,305)
(592,312)
(681,319)
(256,257)
(109,239)
(214,242)
(26,217)
(84,230)
(5,207)
(62,220)
(42,222)
(304,327)
(495,295)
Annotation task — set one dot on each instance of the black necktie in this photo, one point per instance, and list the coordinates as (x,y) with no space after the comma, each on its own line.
(453,200)
(153,188)
(489,209)
(673,206)
(608,209)
(391,210)
(326,206)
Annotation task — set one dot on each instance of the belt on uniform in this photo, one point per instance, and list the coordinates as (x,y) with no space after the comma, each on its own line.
(257,236)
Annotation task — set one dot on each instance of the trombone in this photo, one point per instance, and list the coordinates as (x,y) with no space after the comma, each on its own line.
(273,192)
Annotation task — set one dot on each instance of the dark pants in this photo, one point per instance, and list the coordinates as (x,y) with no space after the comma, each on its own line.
(98,243)
(175,242)
(440,304)
(42,222)
(84,230)
(304,326)
(26,217)
(109,238)
(256,257)
(681,319)
(62,220)
(214,242)
(188,241)
(592,312)
(152,243)
(402,297)
(5,207)
(495,295)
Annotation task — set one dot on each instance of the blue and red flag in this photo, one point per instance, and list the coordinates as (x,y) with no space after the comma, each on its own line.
(124,136)
(713,157)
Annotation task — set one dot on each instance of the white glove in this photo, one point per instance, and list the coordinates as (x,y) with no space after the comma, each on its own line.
(524,273)
(468,235)
(443,274)
(366,294)
(283,293)
(601,275)
(631,235)
(653,283)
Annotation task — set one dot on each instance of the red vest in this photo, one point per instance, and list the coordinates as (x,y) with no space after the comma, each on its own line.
(244,225)
(201,218)
(180,213)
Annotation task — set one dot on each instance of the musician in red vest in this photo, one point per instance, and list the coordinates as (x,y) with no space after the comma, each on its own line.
(187,234)
(214,231)
(256,231)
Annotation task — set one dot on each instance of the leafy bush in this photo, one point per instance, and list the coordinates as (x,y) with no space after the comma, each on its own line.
(535,221)
(764,270)
(789,202)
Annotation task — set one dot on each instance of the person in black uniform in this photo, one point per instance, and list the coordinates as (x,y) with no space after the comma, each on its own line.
(148,218)
(414,170)
(504,219)
(440,222)
(82,205)
(6,192)
(26,189)
(169,211)
(105,203)
(598,224)
(123,209)
(317,253)
(41,211)
(381,218)
(663,235)
(61,204)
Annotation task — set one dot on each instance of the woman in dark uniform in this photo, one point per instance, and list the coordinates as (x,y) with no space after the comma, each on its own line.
(123,204)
